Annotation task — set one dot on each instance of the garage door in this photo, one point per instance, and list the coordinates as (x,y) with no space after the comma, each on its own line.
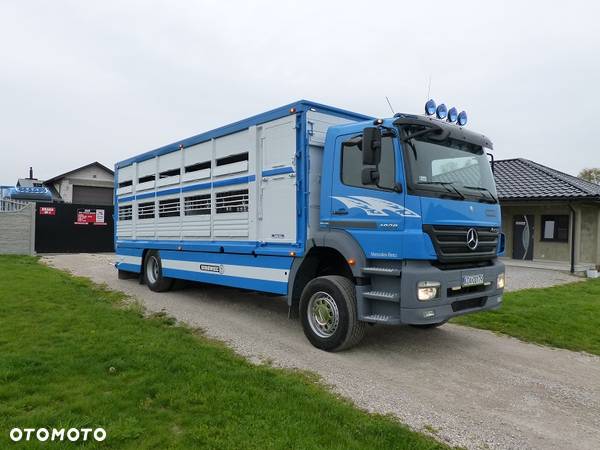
(92,195)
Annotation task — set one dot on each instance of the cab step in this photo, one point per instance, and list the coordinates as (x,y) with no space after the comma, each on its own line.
(385,271)
(379,318)
(383,295)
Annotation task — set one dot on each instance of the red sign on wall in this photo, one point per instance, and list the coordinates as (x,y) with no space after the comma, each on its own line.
(47,211)
(90,216)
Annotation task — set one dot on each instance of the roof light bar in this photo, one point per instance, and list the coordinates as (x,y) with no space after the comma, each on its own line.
(430,107)
(452,114)
(441,112)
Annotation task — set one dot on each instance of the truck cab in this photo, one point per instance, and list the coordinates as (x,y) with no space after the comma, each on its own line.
(411,203)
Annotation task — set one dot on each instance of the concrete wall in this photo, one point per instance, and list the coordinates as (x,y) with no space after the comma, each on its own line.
(17,231)
(587,240)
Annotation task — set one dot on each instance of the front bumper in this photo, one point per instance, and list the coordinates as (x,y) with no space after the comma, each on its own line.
(454,300)
(403,307)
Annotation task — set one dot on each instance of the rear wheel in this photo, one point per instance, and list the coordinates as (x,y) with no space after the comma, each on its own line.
(328,313)
(153,275)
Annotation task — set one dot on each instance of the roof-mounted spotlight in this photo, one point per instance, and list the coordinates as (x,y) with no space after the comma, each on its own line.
(462,118)
(430,107)
(452,114)
(441,112)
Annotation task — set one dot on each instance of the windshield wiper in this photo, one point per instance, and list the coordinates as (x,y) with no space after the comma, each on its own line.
(483,189)
(446,184)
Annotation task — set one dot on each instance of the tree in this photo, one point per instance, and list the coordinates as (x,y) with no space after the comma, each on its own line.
(591,174)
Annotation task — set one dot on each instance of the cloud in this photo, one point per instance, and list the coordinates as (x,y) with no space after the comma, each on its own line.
(85,81)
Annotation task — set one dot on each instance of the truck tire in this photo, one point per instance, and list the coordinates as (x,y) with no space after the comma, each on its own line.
(328,313)
(428,326)
(153,275)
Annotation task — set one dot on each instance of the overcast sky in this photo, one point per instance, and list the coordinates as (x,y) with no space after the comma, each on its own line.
(82,81)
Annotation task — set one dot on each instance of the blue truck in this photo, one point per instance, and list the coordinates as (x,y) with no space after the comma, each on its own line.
(356,220)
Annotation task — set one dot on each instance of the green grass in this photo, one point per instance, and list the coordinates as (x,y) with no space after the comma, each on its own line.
(72,355)
(566,316)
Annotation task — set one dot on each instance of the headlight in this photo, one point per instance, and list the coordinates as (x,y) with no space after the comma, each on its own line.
(500,281)
(428,290)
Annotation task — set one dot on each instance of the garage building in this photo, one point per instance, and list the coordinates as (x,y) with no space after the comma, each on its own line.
(91,184)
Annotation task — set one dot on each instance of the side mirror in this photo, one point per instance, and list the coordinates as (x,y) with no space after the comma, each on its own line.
(369,176)
(371,146)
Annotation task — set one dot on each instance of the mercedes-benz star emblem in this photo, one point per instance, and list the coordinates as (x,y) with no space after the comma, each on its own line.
(472,238)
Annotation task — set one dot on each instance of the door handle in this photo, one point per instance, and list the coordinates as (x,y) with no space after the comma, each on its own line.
(340,212)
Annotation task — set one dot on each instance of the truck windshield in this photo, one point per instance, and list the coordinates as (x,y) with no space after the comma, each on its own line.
(449,168)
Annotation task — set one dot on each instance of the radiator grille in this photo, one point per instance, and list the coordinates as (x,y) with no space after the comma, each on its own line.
(450,242)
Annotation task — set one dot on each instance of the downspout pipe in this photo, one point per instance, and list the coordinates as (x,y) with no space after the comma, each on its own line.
(573,215)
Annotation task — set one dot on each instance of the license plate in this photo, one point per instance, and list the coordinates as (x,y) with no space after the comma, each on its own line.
(472,280)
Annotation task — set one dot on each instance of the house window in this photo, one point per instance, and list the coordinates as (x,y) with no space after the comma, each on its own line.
(555,228)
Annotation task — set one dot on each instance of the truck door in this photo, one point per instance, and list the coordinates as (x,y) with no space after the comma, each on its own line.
(277,208)
(373,214)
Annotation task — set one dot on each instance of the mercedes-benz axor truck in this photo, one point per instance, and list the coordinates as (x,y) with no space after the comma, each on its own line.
(355,220)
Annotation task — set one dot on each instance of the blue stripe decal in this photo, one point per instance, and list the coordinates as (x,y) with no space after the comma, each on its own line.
(196,187)
(126,199)
(147,195)
(226,247)
(231,181)
(271,262)
(274,287)
(278,171)
(168,192)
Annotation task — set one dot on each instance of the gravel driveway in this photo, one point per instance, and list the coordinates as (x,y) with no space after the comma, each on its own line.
(471,387)
(526,277)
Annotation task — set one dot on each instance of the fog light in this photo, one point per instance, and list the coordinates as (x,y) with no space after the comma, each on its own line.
(428,314)
(428,290)
(500,281)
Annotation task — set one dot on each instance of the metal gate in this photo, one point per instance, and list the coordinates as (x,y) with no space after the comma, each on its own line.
(72,228)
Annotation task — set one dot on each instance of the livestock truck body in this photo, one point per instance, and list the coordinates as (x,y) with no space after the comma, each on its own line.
(355,220)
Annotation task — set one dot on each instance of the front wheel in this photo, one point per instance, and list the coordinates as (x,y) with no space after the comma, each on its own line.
(328,313)
(153,273)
